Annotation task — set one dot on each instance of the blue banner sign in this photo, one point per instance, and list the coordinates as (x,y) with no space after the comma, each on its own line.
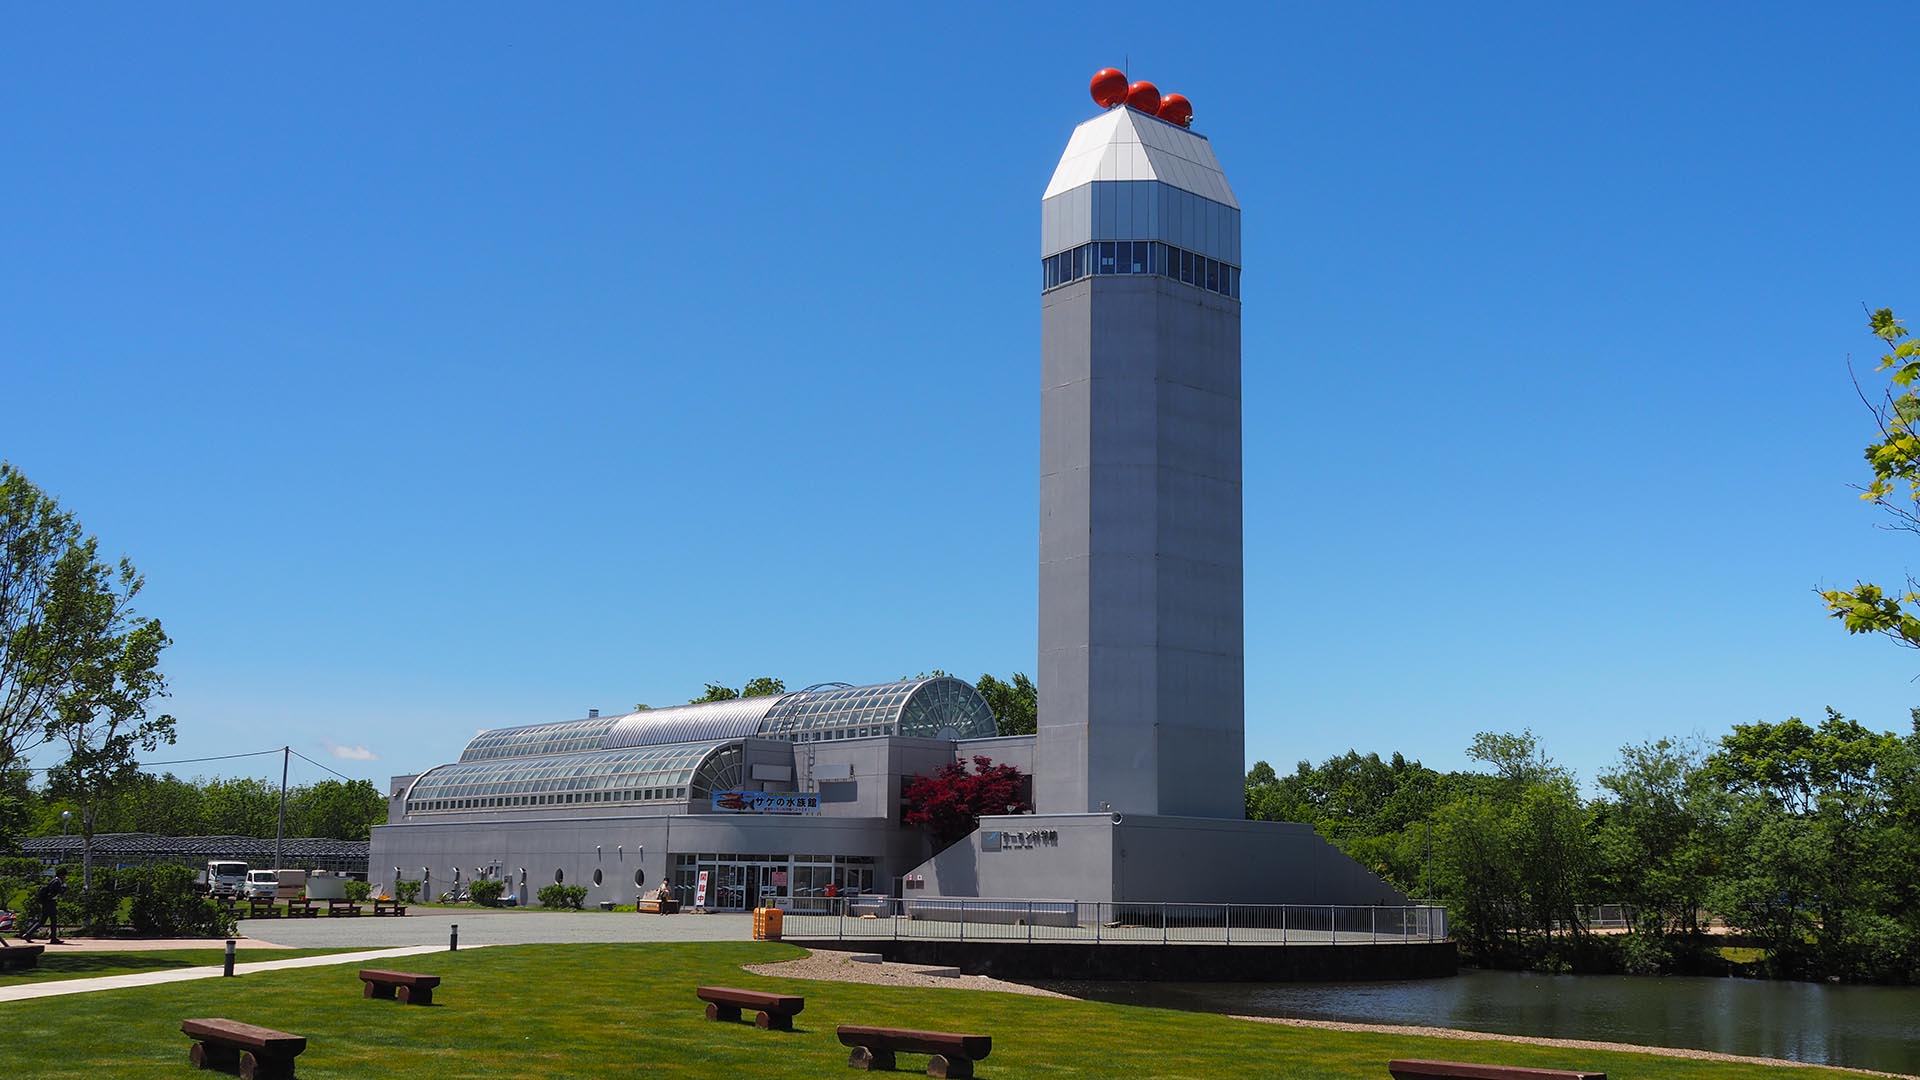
(766,802)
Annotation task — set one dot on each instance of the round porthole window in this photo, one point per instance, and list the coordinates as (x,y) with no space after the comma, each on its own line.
(596,877)
(639,877)
(559,876)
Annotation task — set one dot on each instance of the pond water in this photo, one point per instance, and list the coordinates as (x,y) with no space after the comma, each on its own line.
(1869,1027)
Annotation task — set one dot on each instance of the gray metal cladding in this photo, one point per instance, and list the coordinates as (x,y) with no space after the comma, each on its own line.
(1139,210)
(736,719)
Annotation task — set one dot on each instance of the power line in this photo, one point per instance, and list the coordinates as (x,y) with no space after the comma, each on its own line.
(316,764)
(180,761)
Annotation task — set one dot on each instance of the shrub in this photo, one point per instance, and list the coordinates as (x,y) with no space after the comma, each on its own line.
(358,890)
(165,901)
(406,891)
(563,896)
(486,892)
(99,907)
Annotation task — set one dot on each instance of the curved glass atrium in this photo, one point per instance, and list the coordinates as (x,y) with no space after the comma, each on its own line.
(668,773)
(682,753)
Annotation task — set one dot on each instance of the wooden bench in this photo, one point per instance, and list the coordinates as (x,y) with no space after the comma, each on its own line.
(13,957)
(389,907)
(255,1052)
(301,907)
(656,907)
(773,1012)
(261,909)
(406,987)
(952,1054)
(342,907)
(1413,1069)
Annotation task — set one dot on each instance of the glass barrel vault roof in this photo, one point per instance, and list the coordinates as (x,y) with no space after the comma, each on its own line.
(668,772)
(941,707)
(919,708)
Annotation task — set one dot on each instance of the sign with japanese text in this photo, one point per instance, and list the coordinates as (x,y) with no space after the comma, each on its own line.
(1011,840)
(766,802)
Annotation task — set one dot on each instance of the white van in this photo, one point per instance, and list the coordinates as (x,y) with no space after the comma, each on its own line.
(261,885)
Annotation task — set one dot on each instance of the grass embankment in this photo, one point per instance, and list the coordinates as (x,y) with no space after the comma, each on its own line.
(56,965)
(591,1011)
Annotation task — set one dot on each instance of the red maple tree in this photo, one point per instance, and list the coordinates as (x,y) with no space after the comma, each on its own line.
(949,803)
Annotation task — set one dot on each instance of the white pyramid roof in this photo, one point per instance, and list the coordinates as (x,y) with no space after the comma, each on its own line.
(1122,144)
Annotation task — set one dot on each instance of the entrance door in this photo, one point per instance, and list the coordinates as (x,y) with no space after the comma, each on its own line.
(728,887)
(772,882)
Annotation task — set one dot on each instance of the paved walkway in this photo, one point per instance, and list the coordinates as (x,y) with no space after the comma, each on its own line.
(429,926)
(107,944)
(153,978)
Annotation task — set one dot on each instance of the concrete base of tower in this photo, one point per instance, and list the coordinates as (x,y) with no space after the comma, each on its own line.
(1108,858)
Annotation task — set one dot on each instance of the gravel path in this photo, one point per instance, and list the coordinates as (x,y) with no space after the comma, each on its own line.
(836,967)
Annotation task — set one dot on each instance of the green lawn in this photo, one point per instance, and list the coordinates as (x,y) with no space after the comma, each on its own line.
(56,964)
(590,1011)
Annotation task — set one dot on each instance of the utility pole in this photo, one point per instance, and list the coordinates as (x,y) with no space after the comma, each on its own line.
(280,827)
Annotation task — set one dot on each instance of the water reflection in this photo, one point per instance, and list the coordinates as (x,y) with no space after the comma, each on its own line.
(1869,1027)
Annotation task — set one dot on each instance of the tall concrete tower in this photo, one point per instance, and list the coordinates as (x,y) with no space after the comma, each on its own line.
(1142,639)
(1138,766)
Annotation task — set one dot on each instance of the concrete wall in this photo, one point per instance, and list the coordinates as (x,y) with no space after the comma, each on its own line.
(618,846)
(1093,857)
(1170,963)
(1141,666)
(1208,860)
(1078,865)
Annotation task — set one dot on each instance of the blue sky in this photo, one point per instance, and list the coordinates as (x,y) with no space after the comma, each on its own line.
(451,367)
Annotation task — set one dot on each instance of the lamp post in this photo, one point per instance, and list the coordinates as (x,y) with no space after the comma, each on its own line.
(65,816)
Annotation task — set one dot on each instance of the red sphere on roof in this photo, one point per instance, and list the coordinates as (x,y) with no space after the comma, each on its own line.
(1176,109)
(1144,96)
(1109,87)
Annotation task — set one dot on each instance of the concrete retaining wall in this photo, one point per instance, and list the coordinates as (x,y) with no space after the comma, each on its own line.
(1170,963)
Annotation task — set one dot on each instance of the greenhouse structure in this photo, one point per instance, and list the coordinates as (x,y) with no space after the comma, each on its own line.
(776,799)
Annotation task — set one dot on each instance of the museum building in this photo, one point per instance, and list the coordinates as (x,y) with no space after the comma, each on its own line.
(788,796)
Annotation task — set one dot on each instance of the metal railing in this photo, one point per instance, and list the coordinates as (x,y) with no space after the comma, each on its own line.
(882,918)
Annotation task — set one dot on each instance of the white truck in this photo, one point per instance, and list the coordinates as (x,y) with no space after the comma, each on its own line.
(226,878)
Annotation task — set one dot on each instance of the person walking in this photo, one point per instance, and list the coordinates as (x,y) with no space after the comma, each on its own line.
(47,900)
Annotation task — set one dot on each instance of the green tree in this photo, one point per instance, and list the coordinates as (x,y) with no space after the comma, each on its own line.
(1894,461)
(242,806)
(763,687)
(1658,835)
(165,805)
(78,666)
(715,692)
(1820,863)
(1015,702)
(338,810)
(1362,804)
